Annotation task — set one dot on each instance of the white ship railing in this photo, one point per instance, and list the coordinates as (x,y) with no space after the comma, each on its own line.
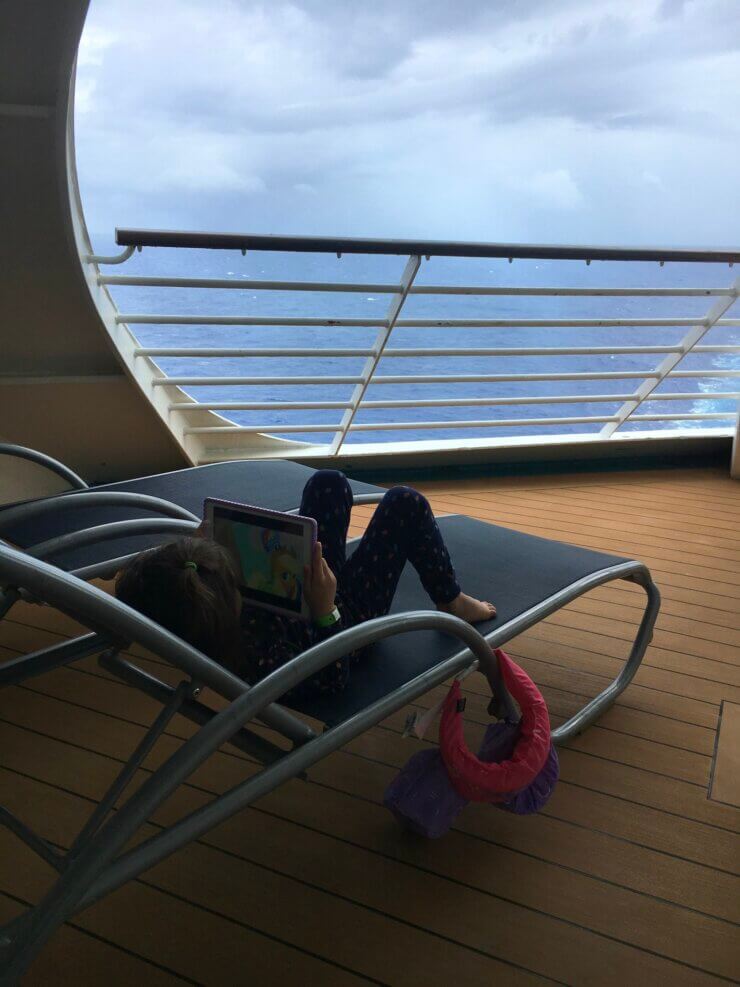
(634,403)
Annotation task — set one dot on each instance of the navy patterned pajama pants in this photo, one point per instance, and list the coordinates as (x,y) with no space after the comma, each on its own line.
(402,528)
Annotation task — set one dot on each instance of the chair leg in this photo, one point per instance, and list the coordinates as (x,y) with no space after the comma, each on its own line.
(593,710)
(244,739)
(17,670)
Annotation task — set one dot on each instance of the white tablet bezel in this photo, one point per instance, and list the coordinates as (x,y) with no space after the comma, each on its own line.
(308,526)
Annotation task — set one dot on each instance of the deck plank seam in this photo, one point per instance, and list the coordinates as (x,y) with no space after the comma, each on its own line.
(444,878)
(631,767)
(388,764)
(658,744)
(467,691)
(111,944)
(468,688)
(240,757)
(324,891)
(570,523)
(462,832)
(598,634)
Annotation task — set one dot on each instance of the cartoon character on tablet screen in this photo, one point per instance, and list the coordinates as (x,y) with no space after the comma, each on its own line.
(269,561)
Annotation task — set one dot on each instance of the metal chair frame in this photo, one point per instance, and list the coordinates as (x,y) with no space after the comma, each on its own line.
(95,864)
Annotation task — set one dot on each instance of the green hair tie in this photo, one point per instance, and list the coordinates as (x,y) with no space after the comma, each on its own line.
(191,565)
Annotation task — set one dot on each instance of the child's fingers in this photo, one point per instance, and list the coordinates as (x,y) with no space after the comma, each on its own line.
(317,556)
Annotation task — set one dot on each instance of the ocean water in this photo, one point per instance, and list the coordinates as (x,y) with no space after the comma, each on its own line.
(706,392)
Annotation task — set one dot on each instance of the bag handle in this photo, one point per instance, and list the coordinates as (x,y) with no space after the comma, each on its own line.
(502,705)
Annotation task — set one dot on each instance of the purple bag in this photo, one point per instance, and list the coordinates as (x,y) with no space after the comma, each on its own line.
(533,797)
(499,741)
(422,797)
(498,745)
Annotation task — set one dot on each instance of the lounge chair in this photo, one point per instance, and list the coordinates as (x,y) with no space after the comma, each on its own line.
(414,649)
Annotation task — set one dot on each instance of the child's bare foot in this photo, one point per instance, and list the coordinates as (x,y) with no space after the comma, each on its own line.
(468,608)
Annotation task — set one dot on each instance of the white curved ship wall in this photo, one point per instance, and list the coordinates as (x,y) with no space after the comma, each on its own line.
(69,382)
(63,388)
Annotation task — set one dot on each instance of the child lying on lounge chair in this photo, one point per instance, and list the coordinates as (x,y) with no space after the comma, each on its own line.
(190,587)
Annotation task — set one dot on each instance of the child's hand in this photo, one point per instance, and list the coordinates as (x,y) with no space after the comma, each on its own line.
(319,584)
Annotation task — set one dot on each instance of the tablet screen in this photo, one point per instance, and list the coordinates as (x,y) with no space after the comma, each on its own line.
(269,552)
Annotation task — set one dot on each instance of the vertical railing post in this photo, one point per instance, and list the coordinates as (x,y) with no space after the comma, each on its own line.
(381,341)
(670,363)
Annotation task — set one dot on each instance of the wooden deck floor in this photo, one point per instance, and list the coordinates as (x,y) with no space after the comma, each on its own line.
(628,876)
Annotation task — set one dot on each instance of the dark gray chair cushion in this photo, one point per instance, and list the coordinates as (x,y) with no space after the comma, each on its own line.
(270,483)
(513,570)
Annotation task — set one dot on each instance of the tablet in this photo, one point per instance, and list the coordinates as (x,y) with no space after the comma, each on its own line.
(269,549)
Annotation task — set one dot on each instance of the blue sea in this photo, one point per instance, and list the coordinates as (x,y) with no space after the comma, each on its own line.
(452,271)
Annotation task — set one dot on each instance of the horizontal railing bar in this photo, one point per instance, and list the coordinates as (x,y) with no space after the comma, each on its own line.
(445,402)
(548,292)
(704,373)
(252,381)
(465,423)
(435,378)
(206,429)
(185,352)
(408,379)
(255,382)
(391,289)
(488,423)
(693,396)
(705,415)
(555,351)
(267,352)
(338,286)
(243,320)
(392,426)
(428,248)
(543,323)
(215,352)
(484,402)
(248,285)
(528,351)
(257,405)
(405,403)
(714,349)
(505,378)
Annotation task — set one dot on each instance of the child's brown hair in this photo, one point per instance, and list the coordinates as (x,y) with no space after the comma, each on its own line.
(190,587)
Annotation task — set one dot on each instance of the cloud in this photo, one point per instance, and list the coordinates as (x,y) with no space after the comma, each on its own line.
(555,189)
(493,121)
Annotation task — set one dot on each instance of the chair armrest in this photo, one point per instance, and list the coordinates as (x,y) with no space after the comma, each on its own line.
(357,499)
(41,459)
(371,498)
(105,532)
(309,663)
(92,498)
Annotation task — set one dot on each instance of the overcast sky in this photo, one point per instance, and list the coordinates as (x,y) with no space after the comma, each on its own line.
(531,120)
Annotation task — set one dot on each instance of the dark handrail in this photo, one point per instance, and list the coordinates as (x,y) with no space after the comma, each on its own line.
(426,248)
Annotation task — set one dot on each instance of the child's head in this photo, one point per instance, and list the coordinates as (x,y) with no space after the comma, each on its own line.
(188,586)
